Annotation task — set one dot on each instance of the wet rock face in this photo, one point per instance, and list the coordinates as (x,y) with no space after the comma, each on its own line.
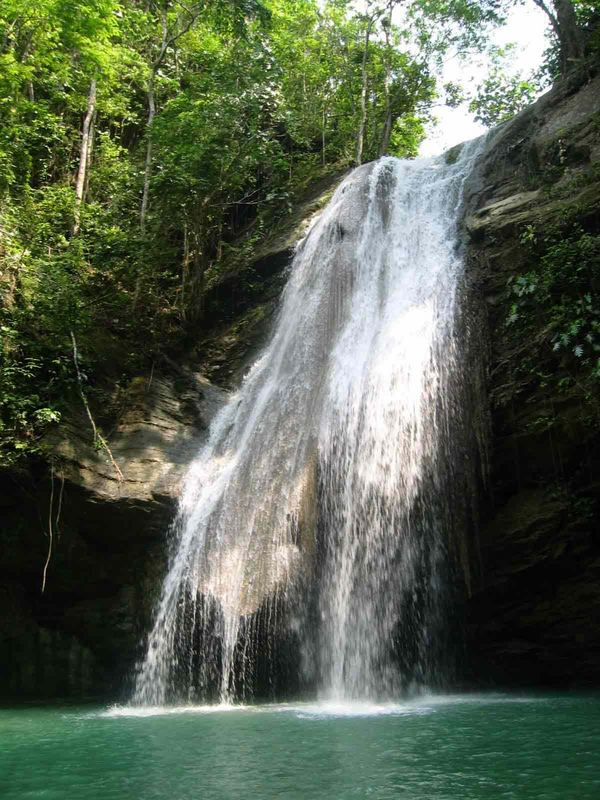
(534,616)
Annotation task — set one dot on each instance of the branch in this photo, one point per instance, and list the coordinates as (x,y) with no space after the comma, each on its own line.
(170,38)
(175,36)
(553,20)
(56,521)
(50,532)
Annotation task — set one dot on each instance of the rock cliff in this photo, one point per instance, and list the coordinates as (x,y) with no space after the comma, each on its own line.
(534,616)
(104,535)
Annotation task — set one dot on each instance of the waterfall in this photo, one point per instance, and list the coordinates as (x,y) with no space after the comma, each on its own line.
(317,514)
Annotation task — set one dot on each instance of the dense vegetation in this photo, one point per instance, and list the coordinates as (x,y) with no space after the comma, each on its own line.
(554,308)
(139,138)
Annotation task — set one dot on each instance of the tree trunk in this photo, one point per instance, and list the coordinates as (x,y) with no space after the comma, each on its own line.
(388,120)
(86,188)
(24,59)
(386,134)
(164,43)
(185,270)
(323,123)
(564,24)
(570,34)
(84,154)
(360,138)
(148,161)
(169,38)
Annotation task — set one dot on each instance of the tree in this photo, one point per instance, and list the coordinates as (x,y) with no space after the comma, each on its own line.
(176,19)
(214,115)
(564,22)
(387,125)
(502,94)
(85,153)
(171,32)
(368,18)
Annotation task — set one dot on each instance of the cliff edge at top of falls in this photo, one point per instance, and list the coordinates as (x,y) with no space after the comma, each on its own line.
(544,157)
(533,230)
(82,635)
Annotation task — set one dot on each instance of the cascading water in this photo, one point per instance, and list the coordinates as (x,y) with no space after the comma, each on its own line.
(319,508)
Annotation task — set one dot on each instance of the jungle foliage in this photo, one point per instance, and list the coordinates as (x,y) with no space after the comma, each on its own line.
(138,138)
(554,307)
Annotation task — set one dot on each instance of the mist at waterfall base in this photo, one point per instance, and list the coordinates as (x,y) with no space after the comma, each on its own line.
(316,544)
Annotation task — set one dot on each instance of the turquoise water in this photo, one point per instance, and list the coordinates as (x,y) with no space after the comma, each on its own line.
(445,748)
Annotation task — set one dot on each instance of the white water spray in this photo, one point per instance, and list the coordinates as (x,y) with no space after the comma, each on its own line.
(317,509)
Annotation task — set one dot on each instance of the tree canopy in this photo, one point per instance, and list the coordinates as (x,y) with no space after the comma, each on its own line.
(138,138)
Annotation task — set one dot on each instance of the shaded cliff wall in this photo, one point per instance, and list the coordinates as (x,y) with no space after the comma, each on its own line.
(107,537)
(534,255)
